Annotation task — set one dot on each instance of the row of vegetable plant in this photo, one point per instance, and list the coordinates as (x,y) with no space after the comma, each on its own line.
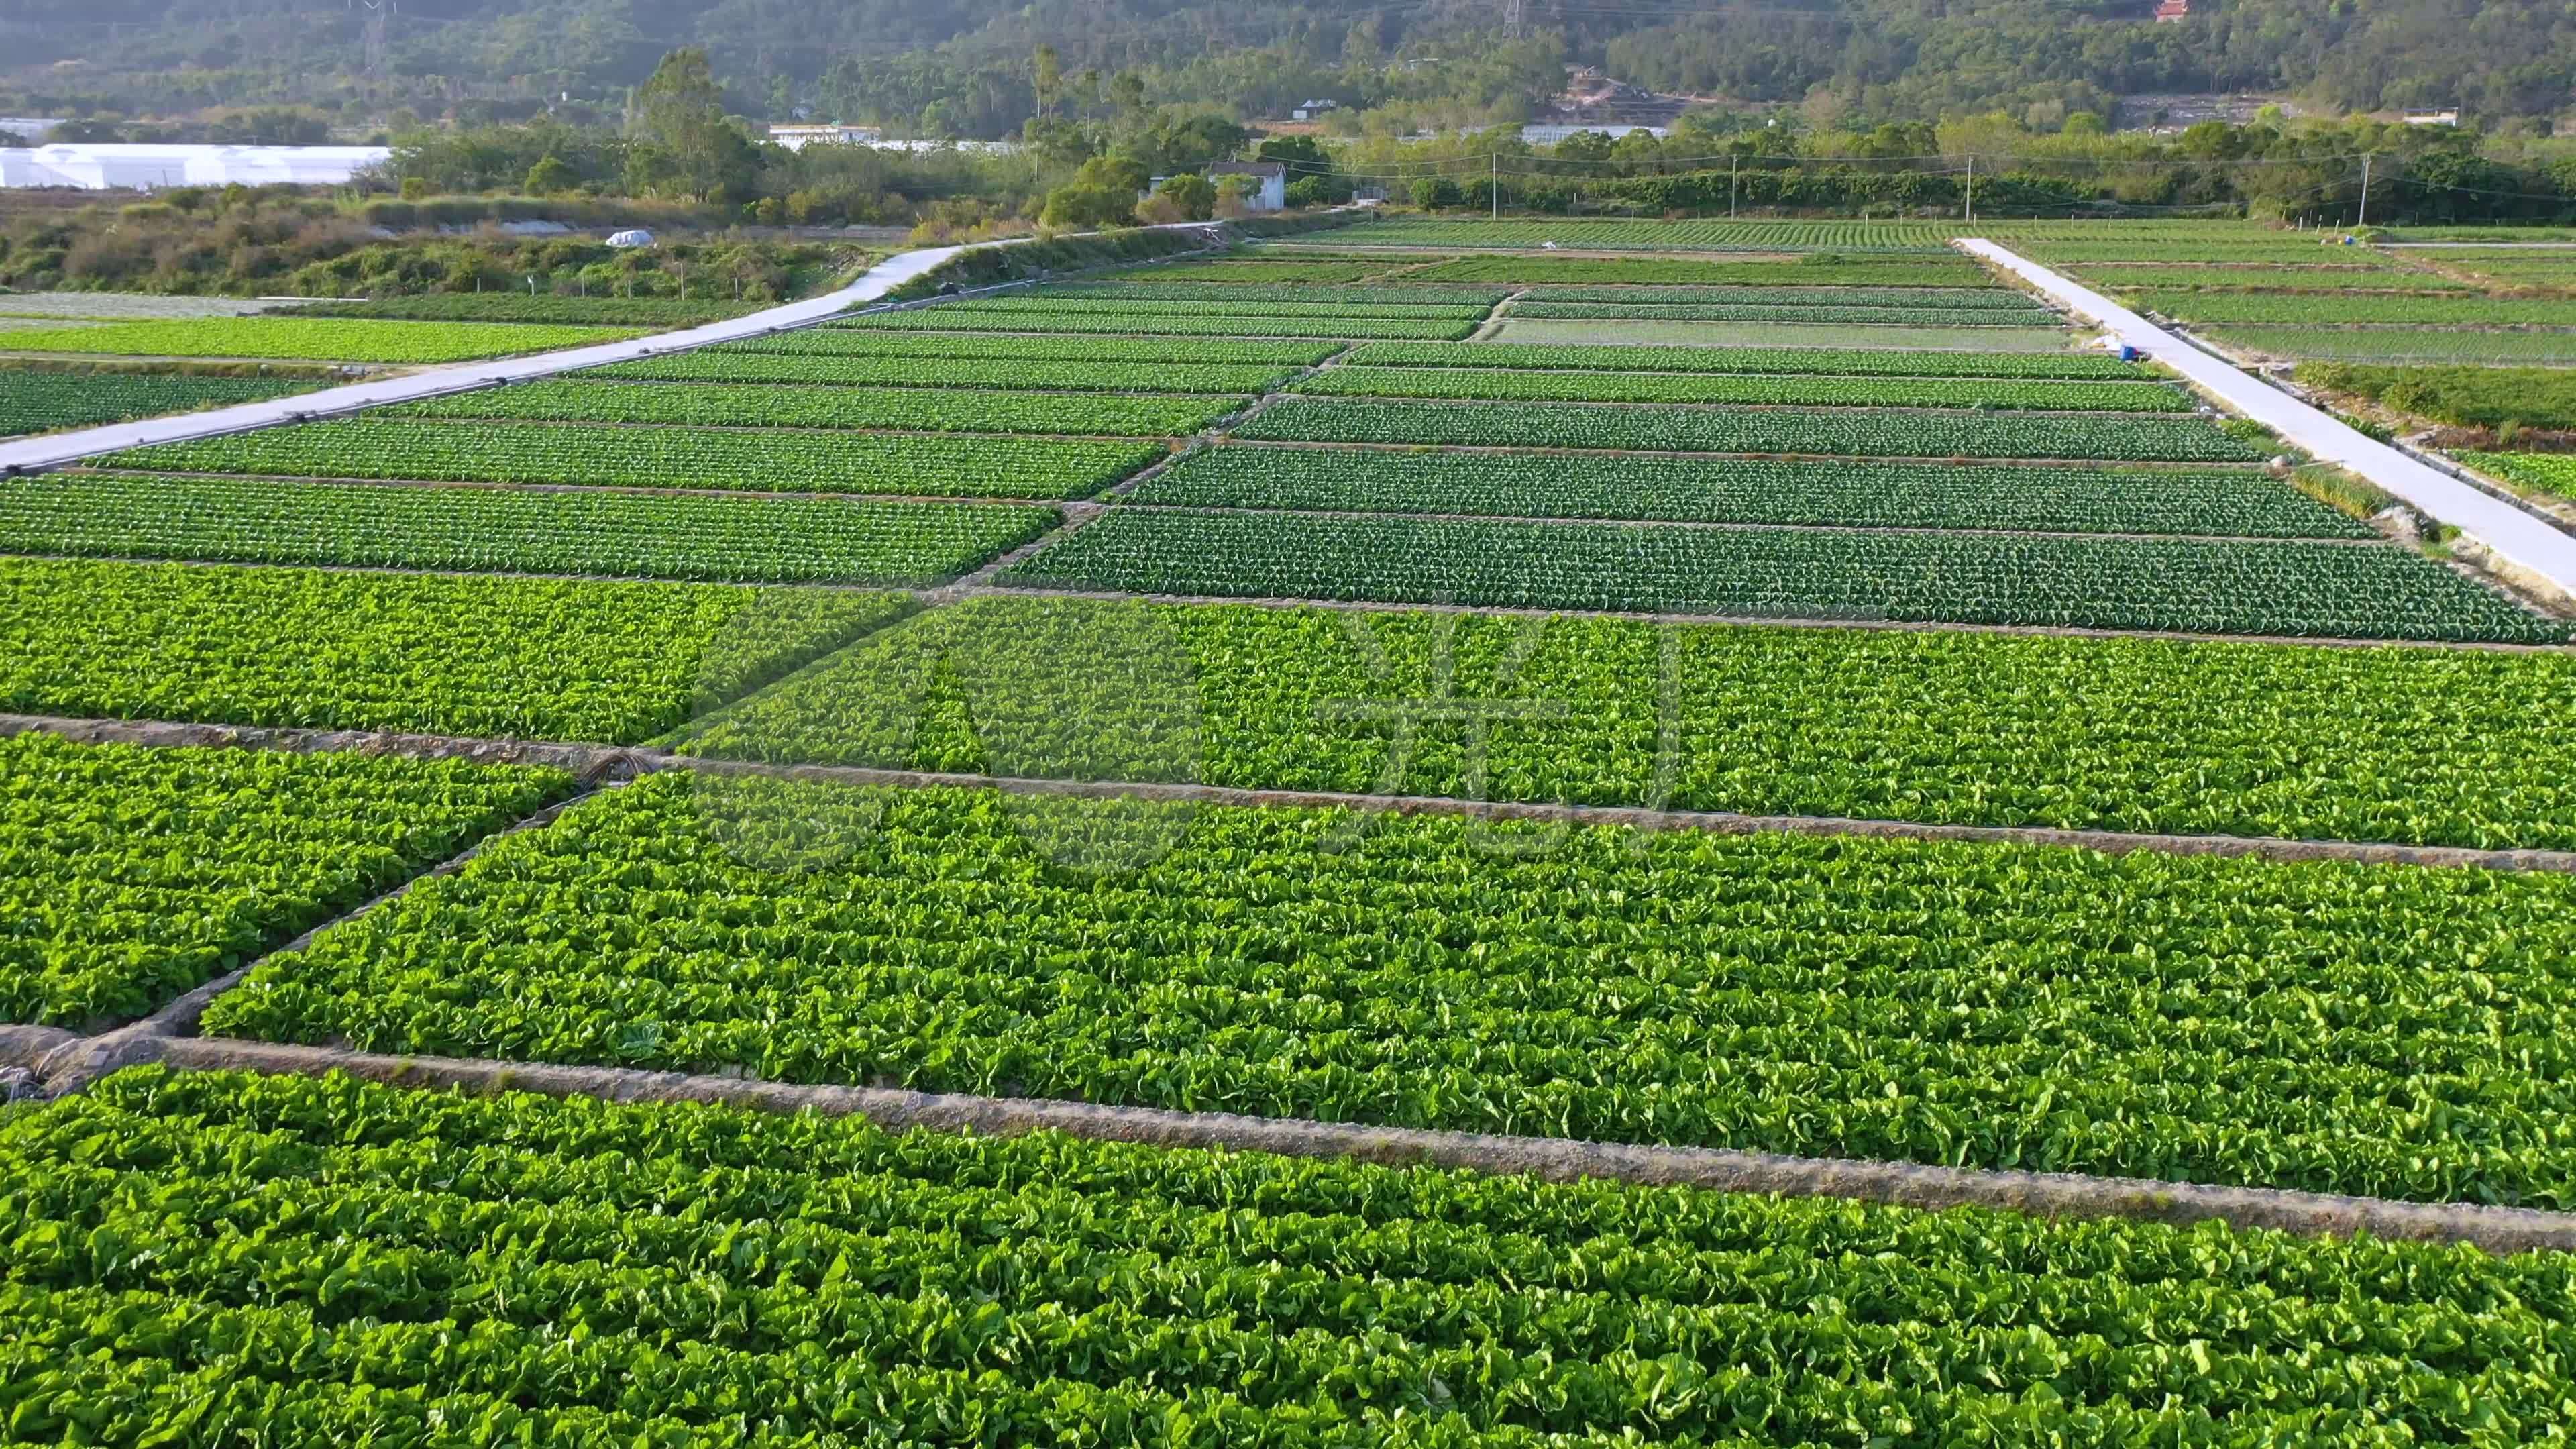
(522,307)
(35,400)
(2360,310)
(849,370)
(324,338)
(1749,490)
(1119,294)
(2267,586)
(957,317)
(881,340)
(770,1280)
(2548,472)
(1844,361)
(1998,298)
(1880,433)
(1811,269)
(214,518)
(771,405)
(2002,1006)
(472,655)
(1564,385)
(767,460)
(135,874)
(1050,305)
(1820,312)
(2416,746)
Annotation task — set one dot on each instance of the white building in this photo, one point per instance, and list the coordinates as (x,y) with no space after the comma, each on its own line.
(2434,116)
(149,167)
(797,138)
(1270,190)
(1313,110)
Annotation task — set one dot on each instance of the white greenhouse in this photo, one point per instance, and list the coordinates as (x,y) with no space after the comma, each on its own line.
(148,168)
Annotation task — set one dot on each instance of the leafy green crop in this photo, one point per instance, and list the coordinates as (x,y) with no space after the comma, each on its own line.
(1846,432)
(34,400)
(300,1260)
(2199,585)
(771,460)
(1814,269)
(521,307)
(1891,315)
(330,338)
(1465,301)
(947,410)
(844,341)
(1996,298)
(1127,301)
(749,540)
(131,875)
(1560,385)
(2150,1015)
(2548,472)
(1194,321)
(531,658)
(2357,308)
(713,365)
(1749,490)
(1839,361)
(1606,234)
(2420,746)
(2474,397)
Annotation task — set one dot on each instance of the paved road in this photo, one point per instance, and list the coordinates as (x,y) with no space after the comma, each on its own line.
(60,448)
(2512,533)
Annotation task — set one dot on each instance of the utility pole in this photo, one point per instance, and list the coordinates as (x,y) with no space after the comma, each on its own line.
(1730,186)
(1494,178)
(1972,188)
(2362,218)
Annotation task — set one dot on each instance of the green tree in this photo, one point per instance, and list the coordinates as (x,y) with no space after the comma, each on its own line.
(1191,193)
(1046,73)
(551,176)
(680,112)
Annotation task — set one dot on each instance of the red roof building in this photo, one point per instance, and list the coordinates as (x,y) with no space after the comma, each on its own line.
(2172,10)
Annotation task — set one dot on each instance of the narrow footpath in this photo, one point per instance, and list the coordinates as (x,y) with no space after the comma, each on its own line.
(2514,535)
(58,449)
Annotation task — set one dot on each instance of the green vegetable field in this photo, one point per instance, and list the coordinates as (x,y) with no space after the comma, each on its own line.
(2421,746)
(1916,316)
(134,874)
(1500,384)
(775,1280)
(33,401)
(2236,587)
(1229,812)
(669,536)
(531,658)
(765,461)
(1678,988)
(947,410)
(1191,319)
(326,339)
(1070,375)
(1892,433)
(1839,362)
(1748,490)
(856,341)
